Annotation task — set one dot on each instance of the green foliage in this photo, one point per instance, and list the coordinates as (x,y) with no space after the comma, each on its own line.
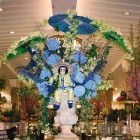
(118,40)
(104,85)
(92,52)
(61,51)
(12,115)
(85,110)
(110,32)
(122,114)
(135,113)
(106,52)
(29,99)
(71,34)
(115,114)
(21,46)
(46,118)
(19,51)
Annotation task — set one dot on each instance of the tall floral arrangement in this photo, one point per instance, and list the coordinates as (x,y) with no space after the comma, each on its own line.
(87,63)
(29,101)
(134,74)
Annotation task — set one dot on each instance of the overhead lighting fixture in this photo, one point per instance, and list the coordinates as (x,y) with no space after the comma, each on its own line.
(1,9)
(126,13)
(12,32)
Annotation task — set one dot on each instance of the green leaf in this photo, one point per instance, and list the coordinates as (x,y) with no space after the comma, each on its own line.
(118,40)
(19,50)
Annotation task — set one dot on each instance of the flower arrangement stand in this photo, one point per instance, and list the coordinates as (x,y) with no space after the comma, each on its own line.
(66,117)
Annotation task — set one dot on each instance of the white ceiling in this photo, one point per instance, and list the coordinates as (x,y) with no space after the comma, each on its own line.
(23,17)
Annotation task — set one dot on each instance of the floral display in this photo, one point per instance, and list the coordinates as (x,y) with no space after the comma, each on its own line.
(87,62)
(133,79)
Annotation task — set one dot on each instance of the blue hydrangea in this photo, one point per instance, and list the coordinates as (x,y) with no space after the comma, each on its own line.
(79,77)
(75,67)
(45,73)
(53,44)
(79,57)
(90,85)
(42,87)
(93,76)
(89,77)
(46,54)
(97,78)
(88,96)
(79,91)
(53,59)
(91,94)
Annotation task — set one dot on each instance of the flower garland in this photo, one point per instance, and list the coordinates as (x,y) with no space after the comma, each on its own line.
(109,31)
(18,48)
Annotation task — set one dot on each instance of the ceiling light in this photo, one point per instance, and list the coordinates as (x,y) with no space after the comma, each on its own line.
(126,13)
(1,9)
(12,32)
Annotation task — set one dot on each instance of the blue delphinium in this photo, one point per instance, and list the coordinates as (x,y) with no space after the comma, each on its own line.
(90,85)
(42,87)
(53,59)
(79,77)
(45,73)
(79,91)
(79,57)
(53,44)
(46,54)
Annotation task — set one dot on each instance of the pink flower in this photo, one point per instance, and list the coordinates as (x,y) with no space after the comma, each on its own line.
(120,98)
